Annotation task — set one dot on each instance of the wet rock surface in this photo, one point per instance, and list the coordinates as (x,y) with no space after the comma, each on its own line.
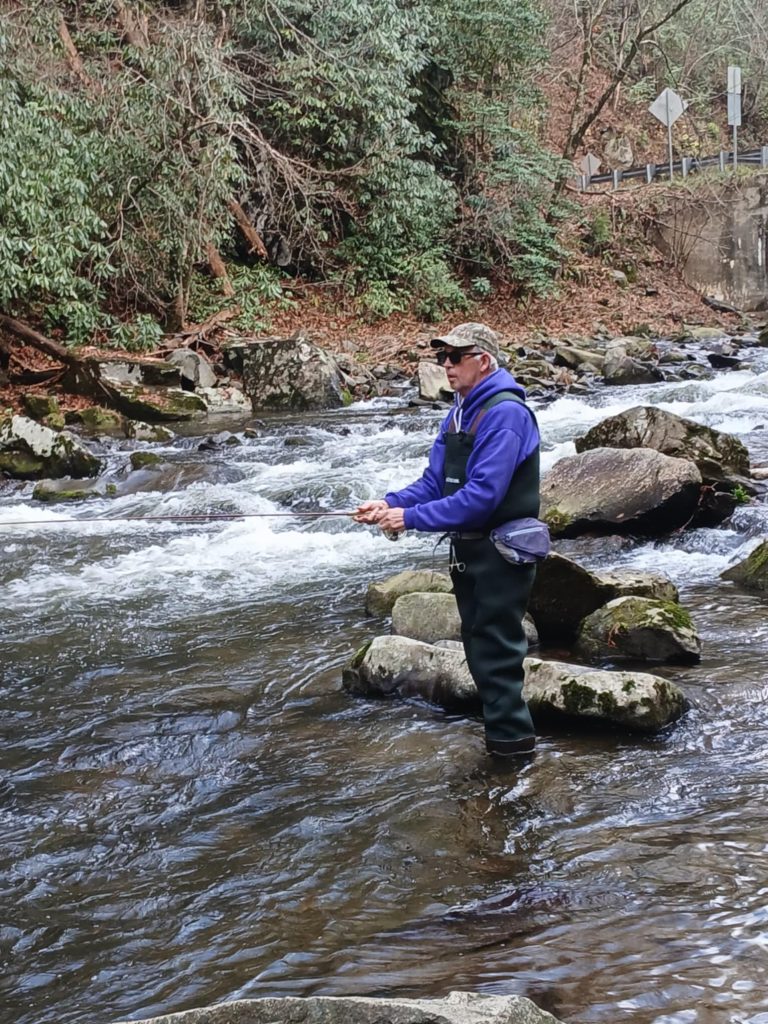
(612,490)
(456,1008)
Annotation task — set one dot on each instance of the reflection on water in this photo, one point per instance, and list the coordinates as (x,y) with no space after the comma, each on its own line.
(192,810)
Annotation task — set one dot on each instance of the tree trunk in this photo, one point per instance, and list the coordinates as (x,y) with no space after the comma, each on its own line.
(74,59)
(218,269)
(250,232)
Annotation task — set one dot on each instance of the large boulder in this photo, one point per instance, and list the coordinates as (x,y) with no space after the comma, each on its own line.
(434,617)
(614,490)
(564,593)
(381,596)
(433,382)
(642,629)
(193,368)
(125,385)
(456,1008)
(392,665)
(620,368)
(427,617)
(752,572)
(718,456)
(290,375)
(30,451)
(635,701)
(577,358)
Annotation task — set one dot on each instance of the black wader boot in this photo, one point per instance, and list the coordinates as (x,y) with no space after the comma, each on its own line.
(492,596)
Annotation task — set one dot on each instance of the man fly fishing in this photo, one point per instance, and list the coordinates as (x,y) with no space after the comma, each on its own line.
(481,487)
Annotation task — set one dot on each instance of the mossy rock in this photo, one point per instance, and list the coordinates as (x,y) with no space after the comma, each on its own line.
(752,572)
(55,491)
(97,419)
(382,595)
(144,460)
(44,409)
(32,451)
(632,701)
(642,629)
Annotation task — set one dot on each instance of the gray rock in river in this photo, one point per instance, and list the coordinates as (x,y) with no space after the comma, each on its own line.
(30,451)
(620,368)
(433,382)
(635,701)
(564,593)
(431,617)
(720,457)
(752,572)
(410,668)
(642,629)
(382,594)
(456,1008)
(613,490)
(427,617)
(290,374)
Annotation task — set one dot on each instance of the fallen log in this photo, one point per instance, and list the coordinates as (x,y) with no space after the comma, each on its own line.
(250,232)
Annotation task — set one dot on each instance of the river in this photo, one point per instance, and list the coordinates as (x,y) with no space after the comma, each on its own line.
(193,810)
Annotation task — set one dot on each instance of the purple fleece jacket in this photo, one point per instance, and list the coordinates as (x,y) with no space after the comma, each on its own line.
(506,435)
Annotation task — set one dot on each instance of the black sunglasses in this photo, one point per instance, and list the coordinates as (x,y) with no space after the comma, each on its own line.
(454,358)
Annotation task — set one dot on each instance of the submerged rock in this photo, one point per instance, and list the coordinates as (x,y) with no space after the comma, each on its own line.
(718,456)
(30,451)
(382,594)
(752,572)
(456,1008)
(614,490)
(54,491)
(640,628)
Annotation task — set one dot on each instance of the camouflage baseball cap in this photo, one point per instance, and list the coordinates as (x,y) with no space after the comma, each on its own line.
(470,336)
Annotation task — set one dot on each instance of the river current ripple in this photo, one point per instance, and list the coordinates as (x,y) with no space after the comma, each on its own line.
(193,810)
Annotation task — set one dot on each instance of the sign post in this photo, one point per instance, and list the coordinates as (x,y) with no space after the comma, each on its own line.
(734,107)
(667,107)
(590,165)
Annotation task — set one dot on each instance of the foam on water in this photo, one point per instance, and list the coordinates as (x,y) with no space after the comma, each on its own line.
(250,559)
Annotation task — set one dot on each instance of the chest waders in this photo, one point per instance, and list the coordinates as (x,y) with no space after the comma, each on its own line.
(492,594)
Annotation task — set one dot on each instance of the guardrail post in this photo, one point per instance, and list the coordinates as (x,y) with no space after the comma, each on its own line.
(764,156)
(722,160)
(650,173)
(685,165)
(616,179)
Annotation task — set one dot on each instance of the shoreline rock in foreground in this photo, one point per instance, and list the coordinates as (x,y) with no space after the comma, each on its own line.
(456,1008)
(635,701)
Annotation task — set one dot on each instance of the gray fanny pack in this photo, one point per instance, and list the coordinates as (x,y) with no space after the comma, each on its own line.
(522,540)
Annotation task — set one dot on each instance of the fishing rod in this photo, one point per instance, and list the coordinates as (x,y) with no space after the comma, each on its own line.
(183,518)
(193,517)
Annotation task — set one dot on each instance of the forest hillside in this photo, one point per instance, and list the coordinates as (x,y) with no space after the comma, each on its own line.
(165,163)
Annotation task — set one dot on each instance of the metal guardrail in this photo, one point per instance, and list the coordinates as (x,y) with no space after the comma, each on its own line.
(684,167)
